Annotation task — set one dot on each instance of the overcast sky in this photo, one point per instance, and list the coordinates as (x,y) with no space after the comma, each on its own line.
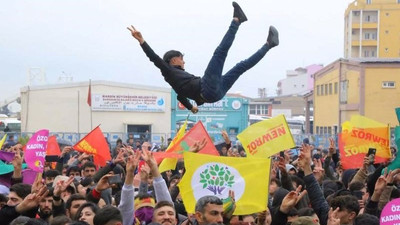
(88,39)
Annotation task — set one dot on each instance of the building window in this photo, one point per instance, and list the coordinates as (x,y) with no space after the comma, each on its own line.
(317,129)
(388,84)
(368,18)
(326,89)
(343,91)
(366,53)
(322,89)
(329,130)
(369,2)
(325,130)
(318,90)
(253,109)
(330,88)
(373,36)
(357,13)
(366,36)
(259,109)
(336,86)
(372,53)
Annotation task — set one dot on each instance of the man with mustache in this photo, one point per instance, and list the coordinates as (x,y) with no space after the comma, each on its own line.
(164,213)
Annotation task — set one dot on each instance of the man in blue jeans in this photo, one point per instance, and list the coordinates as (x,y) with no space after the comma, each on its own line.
(213,86)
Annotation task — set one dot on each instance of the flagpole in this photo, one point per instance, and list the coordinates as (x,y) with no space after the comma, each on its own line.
(78,110)
(188,116)
(91,111)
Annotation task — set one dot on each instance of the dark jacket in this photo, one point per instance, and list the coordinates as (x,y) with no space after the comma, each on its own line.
(186,85)
(318,202)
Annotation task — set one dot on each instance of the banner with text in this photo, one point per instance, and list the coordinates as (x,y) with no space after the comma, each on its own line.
(358,135)
(267,137)
(135,103)
(35,151)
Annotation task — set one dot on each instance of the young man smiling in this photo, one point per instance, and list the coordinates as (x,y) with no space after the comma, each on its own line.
(213,86)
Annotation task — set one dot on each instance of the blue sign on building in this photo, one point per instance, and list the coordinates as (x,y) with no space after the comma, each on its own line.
(230,114)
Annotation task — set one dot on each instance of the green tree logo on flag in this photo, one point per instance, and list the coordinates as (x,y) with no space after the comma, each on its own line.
(216,178)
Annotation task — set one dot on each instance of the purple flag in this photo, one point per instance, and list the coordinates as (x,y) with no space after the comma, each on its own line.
(35,152)
(7,156)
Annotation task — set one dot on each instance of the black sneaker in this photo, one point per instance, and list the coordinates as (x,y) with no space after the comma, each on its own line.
(238,12)
(273,37)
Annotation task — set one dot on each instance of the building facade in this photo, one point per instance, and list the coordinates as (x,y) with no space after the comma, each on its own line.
(372,29)
(356,87)
(230,114)
(298,81)
(118,108)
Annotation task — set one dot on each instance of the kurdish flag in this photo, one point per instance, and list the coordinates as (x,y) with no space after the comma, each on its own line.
(213,175)
(267,137)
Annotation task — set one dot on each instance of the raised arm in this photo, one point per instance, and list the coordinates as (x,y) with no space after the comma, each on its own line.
(136,34)
(160,187)
(127,194)
(318,202)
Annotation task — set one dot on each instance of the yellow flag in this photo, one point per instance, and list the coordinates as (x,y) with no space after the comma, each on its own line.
(267,137)
(215,175)
(3,140)
(170,163)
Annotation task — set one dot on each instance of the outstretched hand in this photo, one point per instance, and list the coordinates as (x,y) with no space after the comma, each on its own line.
(136,34)
(32,200)
(198,146)
(291,199)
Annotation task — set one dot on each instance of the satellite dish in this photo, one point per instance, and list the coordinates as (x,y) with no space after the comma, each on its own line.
(14,107)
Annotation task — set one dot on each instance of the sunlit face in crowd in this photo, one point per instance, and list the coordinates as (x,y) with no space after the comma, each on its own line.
(212,214)
(165,216)
(13,199)
(46,205)
(75,173)
(74,207)
(273,186)
(87,215)
(345,216)
(146,145)
(89,172)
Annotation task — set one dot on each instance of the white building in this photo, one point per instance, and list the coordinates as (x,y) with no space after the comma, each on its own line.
(298,81)
(118,107)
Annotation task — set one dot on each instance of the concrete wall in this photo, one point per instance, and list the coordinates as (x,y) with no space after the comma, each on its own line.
(64,108)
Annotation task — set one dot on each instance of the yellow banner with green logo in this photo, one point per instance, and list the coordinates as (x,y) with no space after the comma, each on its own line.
(215,175)
(267,137)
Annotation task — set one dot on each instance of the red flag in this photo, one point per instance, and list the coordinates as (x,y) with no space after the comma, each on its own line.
(197,133)
(52,146)
(94,143)
(89,97)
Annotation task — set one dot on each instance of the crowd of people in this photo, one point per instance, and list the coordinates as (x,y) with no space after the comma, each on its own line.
(308,188)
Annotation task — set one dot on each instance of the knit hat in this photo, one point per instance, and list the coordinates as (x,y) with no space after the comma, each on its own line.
(139,203)
(305,220)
